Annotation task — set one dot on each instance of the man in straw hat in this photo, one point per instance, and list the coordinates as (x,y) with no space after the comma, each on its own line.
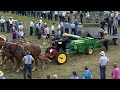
(28,60)
(102,63)
(105,40)
(2,21)
(1,75)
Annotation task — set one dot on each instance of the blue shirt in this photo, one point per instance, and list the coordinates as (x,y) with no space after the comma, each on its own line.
(72,25)
(39,27)
(67,25)
(16,24)
(87,74)
(118,18)
(76,24)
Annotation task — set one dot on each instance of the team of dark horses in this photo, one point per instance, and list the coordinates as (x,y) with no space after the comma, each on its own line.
(15,51)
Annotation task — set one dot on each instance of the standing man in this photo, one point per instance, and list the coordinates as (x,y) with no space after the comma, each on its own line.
(39,30)
(87,73)
(53,28)
(28,60)
(2,21)
(81,17)
(67,26)
(74,76)
(73,28)
(105,40)
(11,23)
(102,63)
(118,18)
(31,27)
(115,25)
(110,23)
(56,15)
(79,28)
(102,23)
(76,24)
(8,26)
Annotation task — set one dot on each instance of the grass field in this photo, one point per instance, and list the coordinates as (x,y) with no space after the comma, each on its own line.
(75,62)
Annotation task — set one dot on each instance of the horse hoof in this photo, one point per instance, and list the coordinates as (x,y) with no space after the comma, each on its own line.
(33,69)
(17,71)
(21,68)
(42,67)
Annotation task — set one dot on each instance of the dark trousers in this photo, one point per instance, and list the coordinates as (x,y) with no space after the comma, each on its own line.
(56,17)
(114,30)
(73,31)
(69,19)
(119,23)
(66,30)
(105,43)
(53,32)
(44,15)
(11,27)
(48,16)
(109,29)
(103,72)
(29,68)
(8,29)
(81,20)
(2,27)
(31,31)
(39,35)
(60,18)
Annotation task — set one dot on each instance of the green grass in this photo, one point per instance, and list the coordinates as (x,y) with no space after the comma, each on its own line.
(75,62)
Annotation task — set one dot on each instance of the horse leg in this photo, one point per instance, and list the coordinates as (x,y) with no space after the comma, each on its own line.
(42,61)
(12,59)
(36,63)
(3,57)
(18,65)
(4,63)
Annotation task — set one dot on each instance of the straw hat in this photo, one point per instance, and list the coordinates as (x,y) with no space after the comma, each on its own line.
(1,73)
(10,17)
(102,53)
(105,32)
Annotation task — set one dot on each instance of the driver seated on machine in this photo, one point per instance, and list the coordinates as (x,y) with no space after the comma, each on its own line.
(62,43)
(101,32)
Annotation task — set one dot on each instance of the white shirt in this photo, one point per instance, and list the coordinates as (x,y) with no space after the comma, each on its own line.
(47,11)
(28,59)
(47,30)
(56,12)
(52,27)
(63,14)
(2,20)
(41,21)
(103,60)
(59,26)
(21,33)
(11,21)
(43,11)
(20,27)
(31,24)
(112,14)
